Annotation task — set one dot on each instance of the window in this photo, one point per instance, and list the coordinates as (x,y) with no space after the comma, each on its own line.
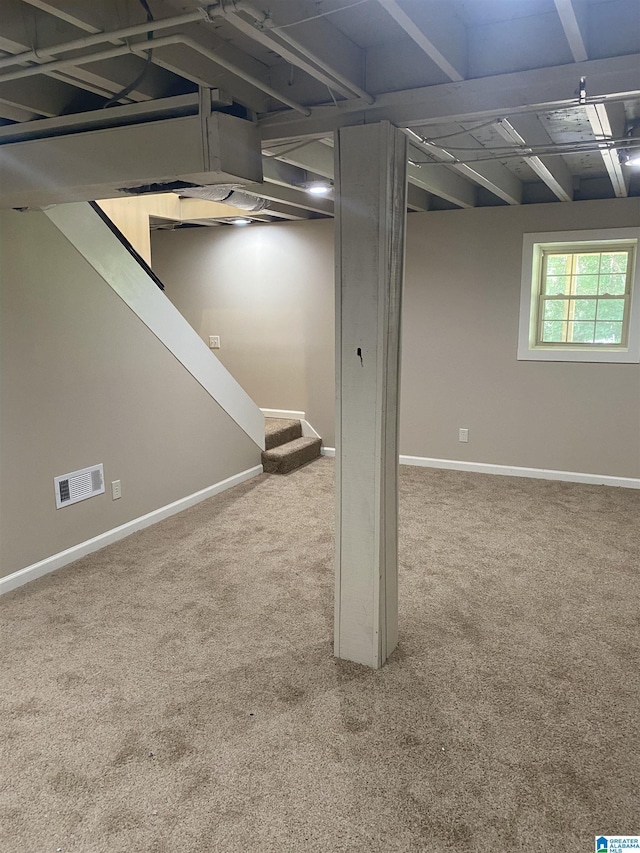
(577,300)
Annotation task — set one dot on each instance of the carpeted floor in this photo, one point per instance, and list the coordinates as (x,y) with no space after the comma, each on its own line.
(176,692)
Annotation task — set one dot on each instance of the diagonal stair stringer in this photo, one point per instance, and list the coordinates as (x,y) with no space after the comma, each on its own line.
(89,234)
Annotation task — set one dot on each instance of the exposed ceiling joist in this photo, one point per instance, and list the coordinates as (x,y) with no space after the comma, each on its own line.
(250,74)
(311,155)
(317,157)
(477,99)
(417,198)
(437,179)
(17,113)
(179,60)
(491,175)
(197,68)
(571,27)
(527,130)
(215,58)
(289,195)
(601,119)
(285,174)
(301,57)
(412,30)
(89,80)
(48,98)
(92,83)
(55,48)
(72,12)
(141,47)
(287,211)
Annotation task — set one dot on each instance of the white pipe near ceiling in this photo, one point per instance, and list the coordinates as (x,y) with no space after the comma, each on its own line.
(100,38)
(143,47)
(266,35)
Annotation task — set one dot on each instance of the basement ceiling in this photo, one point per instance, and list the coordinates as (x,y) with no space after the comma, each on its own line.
(504,101)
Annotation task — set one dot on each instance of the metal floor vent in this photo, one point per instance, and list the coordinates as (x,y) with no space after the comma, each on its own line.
(79,485)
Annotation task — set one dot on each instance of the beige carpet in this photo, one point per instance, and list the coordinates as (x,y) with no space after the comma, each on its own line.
(177,691)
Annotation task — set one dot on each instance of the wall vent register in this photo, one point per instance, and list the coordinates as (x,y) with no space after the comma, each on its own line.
(79,485)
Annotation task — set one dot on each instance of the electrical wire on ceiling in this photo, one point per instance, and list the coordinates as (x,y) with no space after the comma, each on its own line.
(588,144)
(596,147)
(322,15)
(502,152)
(115,99)
(428,139)
(549,110)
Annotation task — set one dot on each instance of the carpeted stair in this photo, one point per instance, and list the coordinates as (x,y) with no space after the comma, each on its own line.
(285,447)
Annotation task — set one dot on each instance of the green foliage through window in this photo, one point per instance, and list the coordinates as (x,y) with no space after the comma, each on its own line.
(584,296)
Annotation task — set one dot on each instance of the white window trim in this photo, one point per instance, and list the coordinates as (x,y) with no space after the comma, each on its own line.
(532,245)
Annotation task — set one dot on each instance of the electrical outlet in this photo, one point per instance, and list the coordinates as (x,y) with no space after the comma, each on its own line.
(214,341)
(116,490)
(463,435)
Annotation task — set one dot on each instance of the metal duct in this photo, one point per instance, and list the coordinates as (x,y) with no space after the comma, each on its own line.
(226,194)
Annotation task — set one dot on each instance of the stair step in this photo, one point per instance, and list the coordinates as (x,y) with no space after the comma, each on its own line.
(289,456)
(279,431)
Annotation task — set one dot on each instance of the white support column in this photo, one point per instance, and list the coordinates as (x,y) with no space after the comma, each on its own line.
(370,174)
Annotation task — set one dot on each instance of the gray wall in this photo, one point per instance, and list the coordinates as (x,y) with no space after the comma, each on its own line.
(268,292)
(83,382)
(461,334)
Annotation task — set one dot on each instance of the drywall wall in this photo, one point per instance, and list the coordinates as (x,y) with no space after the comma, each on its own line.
(83,382)
(461,312)
(268,292)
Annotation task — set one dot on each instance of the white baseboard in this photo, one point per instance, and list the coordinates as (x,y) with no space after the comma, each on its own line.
(63,558)
(513,471)
(283,413)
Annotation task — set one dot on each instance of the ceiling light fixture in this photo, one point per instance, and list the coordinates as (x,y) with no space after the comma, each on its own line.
(318,188)
(631,156)
(241,221)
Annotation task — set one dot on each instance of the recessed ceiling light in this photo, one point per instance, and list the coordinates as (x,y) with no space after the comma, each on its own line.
(241,221)
(631,156)
(318,188)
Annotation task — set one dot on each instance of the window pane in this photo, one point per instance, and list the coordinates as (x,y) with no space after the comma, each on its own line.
(553,332)
(557,264)
(557,284)
(585,285)
(612,284)
(585,309)
(608,333)
(614,262)
(554,309)
(588,263)
(611,309)
(581,333)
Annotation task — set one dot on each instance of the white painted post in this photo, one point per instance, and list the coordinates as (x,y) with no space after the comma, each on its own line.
(370,173)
